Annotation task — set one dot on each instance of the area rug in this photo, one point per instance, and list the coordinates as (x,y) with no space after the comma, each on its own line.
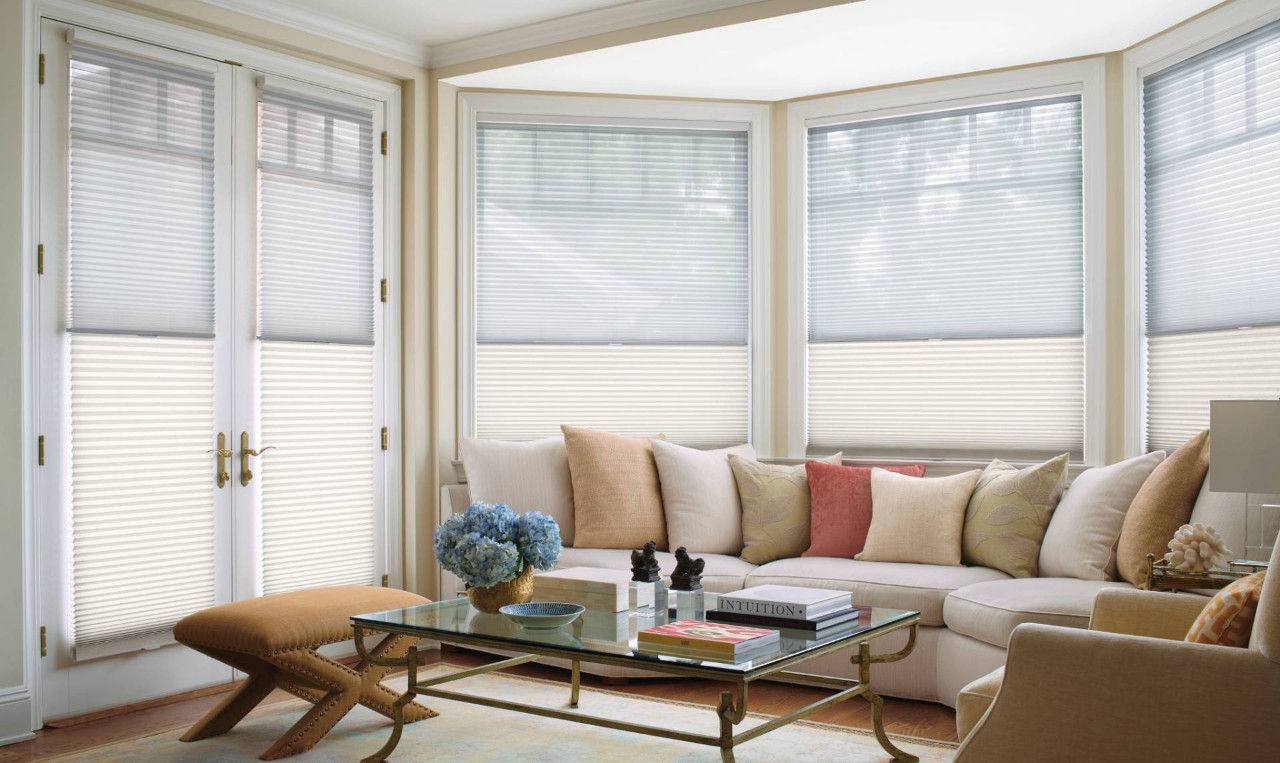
(464,732)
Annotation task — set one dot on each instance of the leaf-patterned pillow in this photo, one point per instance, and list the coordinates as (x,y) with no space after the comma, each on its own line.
(1008,513)
(775,508)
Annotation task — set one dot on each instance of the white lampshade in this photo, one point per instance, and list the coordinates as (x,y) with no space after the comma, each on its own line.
(1244,446)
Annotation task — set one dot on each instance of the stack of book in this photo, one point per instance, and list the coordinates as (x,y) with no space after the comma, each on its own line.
(701,640)
(593,588)
(776,606)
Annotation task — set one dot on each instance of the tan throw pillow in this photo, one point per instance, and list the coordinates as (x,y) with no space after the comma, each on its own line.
(1008,513)
(699,497)
(775,508)
(917,520)
(1162,505)
(617,500)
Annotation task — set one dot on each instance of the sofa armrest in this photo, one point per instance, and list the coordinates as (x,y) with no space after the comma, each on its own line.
(1146,613)
(1072,695)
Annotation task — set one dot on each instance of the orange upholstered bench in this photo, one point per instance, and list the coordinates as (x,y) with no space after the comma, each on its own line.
(274,640)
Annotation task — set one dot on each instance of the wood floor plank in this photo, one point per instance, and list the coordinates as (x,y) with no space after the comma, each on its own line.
(921,719)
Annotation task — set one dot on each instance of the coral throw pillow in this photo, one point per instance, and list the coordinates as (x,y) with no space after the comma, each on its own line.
(1227,620)
(840,507)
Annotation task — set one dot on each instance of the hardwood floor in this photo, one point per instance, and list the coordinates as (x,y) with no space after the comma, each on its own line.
(921,719)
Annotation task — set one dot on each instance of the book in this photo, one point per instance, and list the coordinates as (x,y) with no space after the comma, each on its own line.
(790,602)
(820,623)
(748,653)
(719,639)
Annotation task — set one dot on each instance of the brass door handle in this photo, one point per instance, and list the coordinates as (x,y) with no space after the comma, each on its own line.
(246,474)
(223,454)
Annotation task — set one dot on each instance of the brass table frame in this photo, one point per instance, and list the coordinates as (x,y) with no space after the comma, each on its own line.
(731,710)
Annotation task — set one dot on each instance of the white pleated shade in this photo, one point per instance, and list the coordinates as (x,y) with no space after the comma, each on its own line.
(140,196)
(696,395)
(142,507)
(315,162)
(964,224)
(318,484)
(1186,371)
(1015,398)
(599,234)
(1211,146)
(945,283)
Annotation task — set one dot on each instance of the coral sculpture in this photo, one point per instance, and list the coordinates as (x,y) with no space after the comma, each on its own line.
(1196,548)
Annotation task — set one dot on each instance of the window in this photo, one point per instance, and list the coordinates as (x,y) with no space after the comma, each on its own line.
(1211,209)
(612,279)
(945,282)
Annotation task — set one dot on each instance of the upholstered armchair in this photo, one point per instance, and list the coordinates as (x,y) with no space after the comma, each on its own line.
(1129,689)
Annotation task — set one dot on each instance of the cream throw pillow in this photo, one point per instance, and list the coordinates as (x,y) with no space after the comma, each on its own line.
(617,500)
(1081,539)
(775,508)
(527,476)
(917,519)
(699,497)
(1008,513)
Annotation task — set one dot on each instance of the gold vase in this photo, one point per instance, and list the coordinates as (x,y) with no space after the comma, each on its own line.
(518,590)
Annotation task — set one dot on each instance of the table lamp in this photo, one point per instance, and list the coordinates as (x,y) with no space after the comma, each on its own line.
(1245,458)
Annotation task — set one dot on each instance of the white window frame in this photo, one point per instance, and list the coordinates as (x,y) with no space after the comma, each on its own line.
(154,32)
(1173,47)
(636,113)
(1086,78)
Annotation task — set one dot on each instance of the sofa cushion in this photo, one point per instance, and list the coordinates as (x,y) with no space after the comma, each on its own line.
(1162,505)
(617,500)
(840,506)
(917,520)
(1007,515)
(775,508)
(699,496)
(990,611)
(723,573)
(921,587)
(527,476)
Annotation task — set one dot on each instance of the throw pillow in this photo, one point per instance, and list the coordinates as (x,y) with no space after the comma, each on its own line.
(617,500)
(1227,620)
(1081,539)
(840,507)
(1162,506)
(917,520)
(700,498)
(775,508)
(1008,513)
(526,476)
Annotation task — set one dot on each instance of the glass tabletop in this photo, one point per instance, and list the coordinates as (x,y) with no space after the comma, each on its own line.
(614,633)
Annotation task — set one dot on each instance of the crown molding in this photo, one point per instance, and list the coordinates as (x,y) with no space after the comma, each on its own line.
(586,24)
(331,27)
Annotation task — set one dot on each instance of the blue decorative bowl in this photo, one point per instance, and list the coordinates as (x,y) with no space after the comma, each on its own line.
(542,614)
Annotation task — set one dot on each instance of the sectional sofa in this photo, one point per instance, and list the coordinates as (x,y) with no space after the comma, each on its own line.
(967,613)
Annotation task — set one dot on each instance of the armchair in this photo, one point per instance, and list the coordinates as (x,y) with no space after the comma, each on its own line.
(1129,688)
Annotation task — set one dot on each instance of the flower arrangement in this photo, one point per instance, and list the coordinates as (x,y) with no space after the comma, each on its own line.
(490,544)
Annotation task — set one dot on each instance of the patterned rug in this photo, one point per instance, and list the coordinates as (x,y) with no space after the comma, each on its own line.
(464,732)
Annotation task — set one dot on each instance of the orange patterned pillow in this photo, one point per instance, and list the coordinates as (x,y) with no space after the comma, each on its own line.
(1228,618)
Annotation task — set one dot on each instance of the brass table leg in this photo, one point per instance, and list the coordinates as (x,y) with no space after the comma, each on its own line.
(575,675)
(731,711)
(864,661)
(397,708)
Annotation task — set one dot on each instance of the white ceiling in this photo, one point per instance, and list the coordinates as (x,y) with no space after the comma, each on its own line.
(861,44)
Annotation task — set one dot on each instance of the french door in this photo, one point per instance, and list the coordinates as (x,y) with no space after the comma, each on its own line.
(212,371)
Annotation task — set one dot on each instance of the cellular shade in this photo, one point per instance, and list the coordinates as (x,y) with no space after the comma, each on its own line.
(1211,172)
(315,163)
(945,282)
(141,196)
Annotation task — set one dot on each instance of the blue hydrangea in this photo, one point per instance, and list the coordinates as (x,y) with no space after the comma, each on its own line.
(490,544)
(538,538)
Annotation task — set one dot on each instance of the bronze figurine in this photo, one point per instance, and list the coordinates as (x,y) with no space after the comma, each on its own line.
(644,564)
(687,576)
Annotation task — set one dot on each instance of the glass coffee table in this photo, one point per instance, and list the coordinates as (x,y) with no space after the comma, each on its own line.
(610,638)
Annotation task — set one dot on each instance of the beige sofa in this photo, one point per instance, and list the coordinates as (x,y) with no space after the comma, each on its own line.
(967,613)
(1130,688)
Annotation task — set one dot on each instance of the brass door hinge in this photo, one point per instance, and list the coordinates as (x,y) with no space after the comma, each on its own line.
(384,290)
(384,138)
(386,439)
(44,641)
(386,581)
(39,259)
(41,68)
(40,450)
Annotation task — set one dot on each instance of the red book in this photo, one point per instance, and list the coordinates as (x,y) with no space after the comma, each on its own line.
(712,638)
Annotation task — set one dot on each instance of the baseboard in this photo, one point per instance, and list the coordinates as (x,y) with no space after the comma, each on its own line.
(15,716)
